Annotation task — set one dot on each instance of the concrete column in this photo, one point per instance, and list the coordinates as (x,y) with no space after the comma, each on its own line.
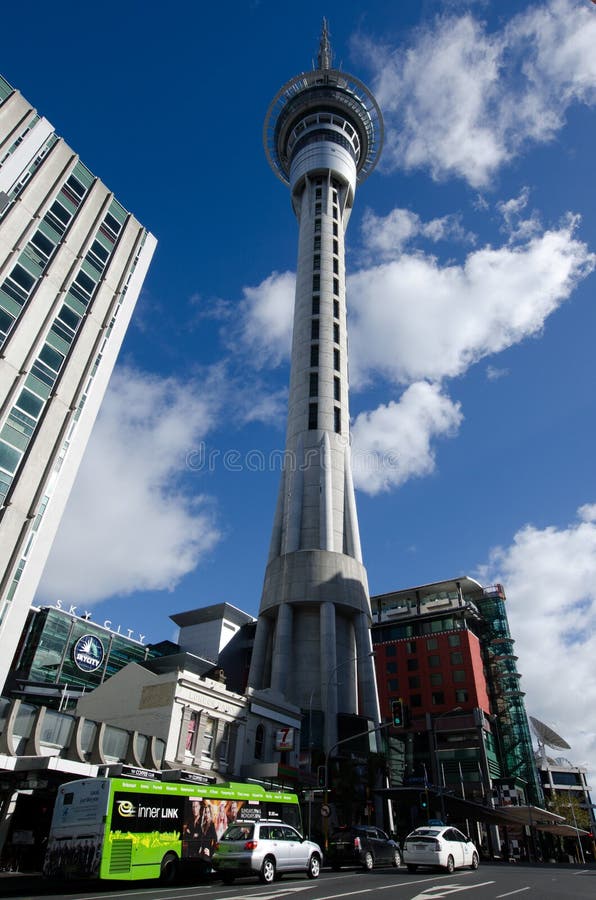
(282,648)
(329,672)
(367,680)
(256,677)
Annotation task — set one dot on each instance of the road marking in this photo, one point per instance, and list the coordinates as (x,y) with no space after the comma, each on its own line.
(581,872)
(511,893)
(443,890)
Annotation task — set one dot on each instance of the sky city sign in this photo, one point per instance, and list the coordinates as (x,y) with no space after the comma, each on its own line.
(71,610)
(88,653)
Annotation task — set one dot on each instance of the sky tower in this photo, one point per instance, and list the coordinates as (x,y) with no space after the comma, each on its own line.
(322,135)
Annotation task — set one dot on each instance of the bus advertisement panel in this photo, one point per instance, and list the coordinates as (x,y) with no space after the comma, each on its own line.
(119,828)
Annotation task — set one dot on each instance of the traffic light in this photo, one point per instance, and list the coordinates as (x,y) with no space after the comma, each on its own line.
(423,800)
(397,713)
(321,776)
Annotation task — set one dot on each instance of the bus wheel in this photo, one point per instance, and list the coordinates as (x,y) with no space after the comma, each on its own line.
(169,869)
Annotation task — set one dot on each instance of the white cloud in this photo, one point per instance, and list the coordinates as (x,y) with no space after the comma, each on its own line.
(549,577)
(462,101)
(414,319)
(265,320)
(393,442)
(386,236)
(130,524)
(493,373)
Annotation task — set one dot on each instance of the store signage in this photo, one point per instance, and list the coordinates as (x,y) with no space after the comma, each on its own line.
(71,610)
(284,739)
(88,653)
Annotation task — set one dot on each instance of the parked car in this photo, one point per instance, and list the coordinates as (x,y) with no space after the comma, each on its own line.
(361,845)
(265,848)
(446,847)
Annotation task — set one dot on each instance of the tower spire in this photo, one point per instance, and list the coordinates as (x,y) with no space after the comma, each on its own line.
(324,55)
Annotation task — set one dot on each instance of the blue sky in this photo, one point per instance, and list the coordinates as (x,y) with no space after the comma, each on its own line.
(470,256)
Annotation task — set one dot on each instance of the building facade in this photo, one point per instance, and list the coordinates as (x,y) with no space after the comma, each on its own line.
(445,652)
(323,135)
(72,264)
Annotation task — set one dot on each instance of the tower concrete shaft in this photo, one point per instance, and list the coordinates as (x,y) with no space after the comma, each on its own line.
(322,136)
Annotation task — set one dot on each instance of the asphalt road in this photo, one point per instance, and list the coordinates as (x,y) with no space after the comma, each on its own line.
(489,882)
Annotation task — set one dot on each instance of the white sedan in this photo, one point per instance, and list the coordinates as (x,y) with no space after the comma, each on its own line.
(439,846)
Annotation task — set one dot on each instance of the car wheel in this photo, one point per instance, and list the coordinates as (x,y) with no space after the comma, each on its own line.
(228,878)
(267,873)
(412,868)
(450,864)
(396,861)
(314,866)
(475,861)
(368,861)
(168,871)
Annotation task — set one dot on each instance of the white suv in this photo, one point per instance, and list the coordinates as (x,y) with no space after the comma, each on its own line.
(265,848)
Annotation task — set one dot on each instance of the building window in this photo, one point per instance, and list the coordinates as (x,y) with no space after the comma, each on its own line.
(412,665)
(461,696)
(317,243)
(316,305)
(416,700)
(259,741)
(457,658)
(316,282)
(334,229)
(336,247)
(313,389)
(335,333)
(318,209)
(391,668)
(317,226)
(414,681)
(437,698)
(336,309)
(459,675)
(316,261)
(313,416)
(191,731)
(391,650)
(454,640)
(314,355)
(336,360)
(410,646)
(224,743)
(318,193)
(436,678)
(314,330)
(208,736)
(432,644)
(434,661)
(337,397)
(336,286)
(393,684)
(337,419)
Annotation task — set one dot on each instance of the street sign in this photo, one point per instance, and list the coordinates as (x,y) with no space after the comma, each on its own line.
(325,810)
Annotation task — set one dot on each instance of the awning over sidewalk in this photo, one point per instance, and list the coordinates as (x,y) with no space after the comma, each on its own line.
(460,808)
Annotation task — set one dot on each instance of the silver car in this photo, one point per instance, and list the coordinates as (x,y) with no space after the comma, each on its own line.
(439,846)
(265,848)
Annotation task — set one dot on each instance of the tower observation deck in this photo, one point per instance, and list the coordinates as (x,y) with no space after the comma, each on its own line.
(323,135)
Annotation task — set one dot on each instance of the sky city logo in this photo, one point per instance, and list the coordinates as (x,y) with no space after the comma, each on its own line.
(88,653)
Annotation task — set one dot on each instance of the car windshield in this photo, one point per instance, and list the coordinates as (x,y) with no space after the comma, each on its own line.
(238,833)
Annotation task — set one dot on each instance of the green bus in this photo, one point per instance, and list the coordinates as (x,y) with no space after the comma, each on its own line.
(128,828)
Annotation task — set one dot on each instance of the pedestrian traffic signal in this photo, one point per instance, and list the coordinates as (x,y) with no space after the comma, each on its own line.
(397,713)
